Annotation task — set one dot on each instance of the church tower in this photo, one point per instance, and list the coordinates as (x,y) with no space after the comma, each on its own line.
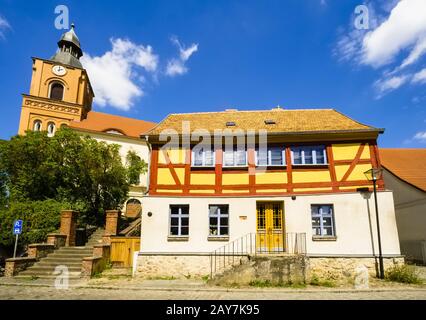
(60,89)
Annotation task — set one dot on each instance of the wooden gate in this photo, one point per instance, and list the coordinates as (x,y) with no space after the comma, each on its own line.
(122,249)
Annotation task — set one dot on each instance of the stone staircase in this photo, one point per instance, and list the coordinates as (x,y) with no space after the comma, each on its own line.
(71,257)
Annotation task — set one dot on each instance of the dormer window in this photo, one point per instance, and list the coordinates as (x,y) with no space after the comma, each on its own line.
(56,91)
(231,124)
(112,131)
(270,122)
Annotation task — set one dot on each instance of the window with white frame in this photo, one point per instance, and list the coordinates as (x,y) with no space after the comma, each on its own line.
(202,157)
(219,220)
(271,156)
(37,125)
(51,129)
(236,157)
(309,155)
(322,220)
(179,220)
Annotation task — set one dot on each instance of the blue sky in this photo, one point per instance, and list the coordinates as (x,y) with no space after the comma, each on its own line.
(187,56)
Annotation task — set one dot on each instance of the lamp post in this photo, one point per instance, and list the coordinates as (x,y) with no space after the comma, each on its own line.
(374,175)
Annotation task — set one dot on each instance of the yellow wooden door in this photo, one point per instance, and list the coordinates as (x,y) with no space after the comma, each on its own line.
(270,228)
(122,249)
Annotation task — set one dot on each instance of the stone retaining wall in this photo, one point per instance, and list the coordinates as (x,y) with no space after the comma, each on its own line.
(278,269)
(152,266)
(338,268)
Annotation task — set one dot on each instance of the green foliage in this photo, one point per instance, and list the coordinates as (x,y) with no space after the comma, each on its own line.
(316,281)
(270,284)
(135,166)
(39,219)
(68,168)
(403,273)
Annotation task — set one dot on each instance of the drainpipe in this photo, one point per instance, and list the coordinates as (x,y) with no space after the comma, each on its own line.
(149,165)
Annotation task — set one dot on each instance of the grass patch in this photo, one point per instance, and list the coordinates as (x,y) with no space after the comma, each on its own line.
(162,278)
(403,274)
(270,284)
(315,281)
(205,278)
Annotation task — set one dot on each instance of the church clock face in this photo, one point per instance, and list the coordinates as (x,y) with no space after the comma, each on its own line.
(59,70)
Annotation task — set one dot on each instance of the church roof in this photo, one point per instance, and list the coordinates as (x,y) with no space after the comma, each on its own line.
(112,124)
(408,165)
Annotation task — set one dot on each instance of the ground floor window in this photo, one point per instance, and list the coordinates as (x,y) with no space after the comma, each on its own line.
(179,220)
(322,220)
(219,220)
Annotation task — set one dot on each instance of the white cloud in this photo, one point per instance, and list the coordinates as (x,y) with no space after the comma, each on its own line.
(405,27)
(420,136)
(176,66)
(4,25)
(116,75)
(420,77)
(398,42)
(389,84)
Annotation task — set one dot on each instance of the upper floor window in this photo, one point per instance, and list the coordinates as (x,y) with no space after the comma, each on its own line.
(271,156)
(235,157)
(56,91)
(51,129)
(322,220)
(203,157)
(37,125)
(309,155)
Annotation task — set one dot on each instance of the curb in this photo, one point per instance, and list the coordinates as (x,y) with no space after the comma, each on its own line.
(204,289)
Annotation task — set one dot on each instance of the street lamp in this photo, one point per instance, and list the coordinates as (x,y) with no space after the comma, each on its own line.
(374,175)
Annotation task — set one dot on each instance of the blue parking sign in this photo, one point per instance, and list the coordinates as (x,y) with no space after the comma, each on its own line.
(17,227)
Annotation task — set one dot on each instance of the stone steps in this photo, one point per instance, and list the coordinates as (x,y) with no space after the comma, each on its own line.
(71,257)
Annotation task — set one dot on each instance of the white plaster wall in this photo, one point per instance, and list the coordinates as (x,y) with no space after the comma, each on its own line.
(350,213)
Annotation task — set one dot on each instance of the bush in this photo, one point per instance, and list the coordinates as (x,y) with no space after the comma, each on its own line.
(39,219)
(403,273)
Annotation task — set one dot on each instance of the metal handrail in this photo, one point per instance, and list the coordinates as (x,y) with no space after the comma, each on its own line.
(224,257)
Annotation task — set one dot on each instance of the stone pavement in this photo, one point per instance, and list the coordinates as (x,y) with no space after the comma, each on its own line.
(127,288)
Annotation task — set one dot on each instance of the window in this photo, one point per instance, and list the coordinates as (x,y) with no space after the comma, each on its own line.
(322,220)
(235,158)
(203,158)
(179,220)
(219,220)
(309,155)
(37,125)
(56,91)
(272,156)
(50,129)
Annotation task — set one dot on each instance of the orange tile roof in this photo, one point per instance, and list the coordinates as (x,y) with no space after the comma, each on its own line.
(407,164)
(103,122)
(286,121)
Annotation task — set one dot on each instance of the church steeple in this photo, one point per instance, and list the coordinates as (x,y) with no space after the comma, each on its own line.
(60,90)
(69,51)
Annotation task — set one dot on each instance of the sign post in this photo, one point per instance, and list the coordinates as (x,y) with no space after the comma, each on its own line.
(17,230)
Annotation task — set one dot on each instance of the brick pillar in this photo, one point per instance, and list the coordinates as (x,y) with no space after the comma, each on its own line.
(68,226)
(111,223)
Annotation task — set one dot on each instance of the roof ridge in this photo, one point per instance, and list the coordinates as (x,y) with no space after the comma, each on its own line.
(116,115)
(237,111)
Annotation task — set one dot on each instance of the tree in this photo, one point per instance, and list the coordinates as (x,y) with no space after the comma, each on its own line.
(68,168)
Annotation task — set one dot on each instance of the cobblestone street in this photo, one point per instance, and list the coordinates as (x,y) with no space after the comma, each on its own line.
(175,290)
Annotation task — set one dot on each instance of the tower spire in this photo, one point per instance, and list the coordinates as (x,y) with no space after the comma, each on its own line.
(69,52)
